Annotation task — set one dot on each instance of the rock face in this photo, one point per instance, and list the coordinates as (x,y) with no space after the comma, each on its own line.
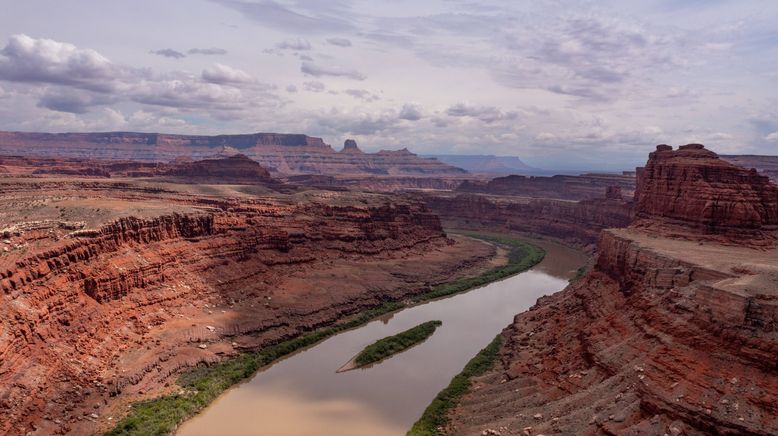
(350,146)
(583,187)
(692,188)
(577,223)
(766,165)
(665,336)
(108,309)
(281,153)
(238,167)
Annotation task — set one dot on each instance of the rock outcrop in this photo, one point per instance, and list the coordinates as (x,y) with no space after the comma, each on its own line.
(583,187)
(577,223)
(106,310)
(280,153)
(666,335)
(238,167)
(350,146)
(693,189)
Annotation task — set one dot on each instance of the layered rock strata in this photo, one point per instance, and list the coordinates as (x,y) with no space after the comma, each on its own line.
(666,335)
(281,153)
(97,313)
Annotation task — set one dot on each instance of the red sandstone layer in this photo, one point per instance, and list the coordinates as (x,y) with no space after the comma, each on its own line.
(108,288)
(281,153)
(666,335)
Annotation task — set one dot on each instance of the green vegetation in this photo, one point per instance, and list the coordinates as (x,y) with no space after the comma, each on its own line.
(383,348)
(521,257)
(435,416)
(579,273)
(160,416)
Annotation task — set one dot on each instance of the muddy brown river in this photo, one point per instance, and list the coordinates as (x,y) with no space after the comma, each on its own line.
(303,395)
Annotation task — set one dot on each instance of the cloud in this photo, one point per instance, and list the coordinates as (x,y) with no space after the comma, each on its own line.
(26,59)
(294,44)
(487,114)
(207,51)
(316,70)
(188,94)
(340,42)
(291,89)
(73,100)
(361,94)
(772,137)
(410,112)
(314,86)
(168,53)
(339,123)
(305,16)
(223,74)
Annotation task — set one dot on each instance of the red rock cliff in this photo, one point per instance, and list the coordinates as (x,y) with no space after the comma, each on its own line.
(693,188)
(669,334)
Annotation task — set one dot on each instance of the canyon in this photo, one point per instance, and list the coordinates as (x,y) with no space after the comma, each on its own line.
(110,287)
(673,331)
(126,259)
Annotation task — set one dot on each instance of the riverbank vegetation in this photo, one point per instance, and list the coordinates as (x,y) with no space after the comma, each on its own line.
(200,386)
(391,345)
(435,416)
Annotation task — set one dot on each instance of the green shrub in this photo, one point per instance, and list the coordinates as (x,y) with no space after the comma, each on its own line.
(435,416)
(383,348)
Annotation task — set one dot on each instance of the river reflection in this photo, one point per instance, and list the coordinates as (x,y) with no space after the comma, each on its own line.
(303,395)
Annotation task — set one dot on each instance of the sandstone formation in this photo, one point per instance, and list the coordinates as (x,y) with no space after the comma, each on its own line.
(110,287)
(577,223)
(280,153)
(583,187)
(766,165)
(692,188)
(666,335)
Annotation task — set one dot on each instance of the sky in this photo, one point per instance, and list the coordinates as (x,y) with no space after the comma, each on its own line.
(563,84)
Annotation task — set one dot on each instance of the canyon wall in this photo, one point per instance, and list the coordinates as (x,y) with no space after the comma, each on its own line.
(281,153)
(577,223)
(666,335)
(104,311)
(583,187)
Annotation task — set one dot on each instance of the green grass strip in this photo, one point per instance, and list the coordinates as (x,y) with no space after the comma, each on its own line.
(391,345)
(436,414)
(203,384)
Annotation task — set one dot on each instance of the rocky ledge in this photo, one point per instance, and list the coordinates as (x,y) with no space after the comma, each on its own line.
(667,335)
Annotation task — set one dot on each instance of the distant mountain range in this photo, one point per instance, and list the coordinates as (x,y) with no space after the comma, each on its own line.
(487,164)
(280,153)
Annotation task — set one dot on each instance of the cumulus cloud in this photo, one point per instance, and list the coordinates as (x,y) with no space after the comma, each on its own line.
(223,74)
(772,137)
(168,53)
(317,70)
(314,86)
(291,89)
(73,100)
(340,42)
(487,114)
(26,59)
(207,51)
(410,112)
(298,44)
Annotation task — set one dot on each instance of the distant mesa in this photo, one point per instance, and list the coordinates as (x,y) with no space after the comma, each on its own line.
(237,167)
(285,154)
(487,164)
(350,146)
